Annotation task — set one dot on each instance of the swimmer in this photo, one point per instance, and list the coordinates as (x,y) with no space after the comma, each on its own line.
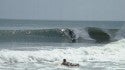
(65,63)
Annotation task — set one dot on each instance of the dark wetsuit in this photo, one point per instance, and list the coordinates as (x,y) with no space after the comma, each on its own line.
(69,64)
(72,35)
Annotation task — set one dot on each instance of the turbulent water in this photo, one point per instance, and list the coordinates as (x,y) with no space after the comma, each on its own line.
(42,45)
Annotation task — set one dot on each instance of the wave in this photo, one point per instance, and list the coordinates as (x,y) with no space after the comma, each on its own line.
(111,52)
(59,35)
(43,35)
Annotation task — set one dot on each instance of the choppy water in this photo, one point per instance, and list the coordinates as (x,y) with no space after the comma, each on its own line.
(42,45)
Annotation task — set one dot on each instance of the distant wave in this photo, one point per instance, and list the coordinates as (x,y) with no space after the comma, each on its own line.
(59,35)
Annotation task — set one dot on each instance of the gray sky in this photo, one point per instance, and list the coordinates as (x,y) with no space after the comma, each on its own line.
(63,9)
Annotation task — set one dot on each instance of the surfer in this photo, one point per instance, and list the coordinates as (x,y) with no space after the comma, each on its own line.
(65,63)
(72,36)
(70,33)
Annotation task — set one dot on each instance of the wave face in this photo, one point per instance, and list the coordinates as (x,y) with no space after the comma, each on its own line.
(100,35)
(59,35)
(44,35)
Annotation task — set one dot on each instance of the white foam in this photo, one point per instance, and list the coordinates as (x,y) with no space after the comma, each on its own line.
(110,52)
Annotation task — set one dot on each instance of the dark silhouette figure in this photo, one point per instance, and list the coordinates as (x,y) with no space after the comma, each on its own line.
(65,63)
(72,36)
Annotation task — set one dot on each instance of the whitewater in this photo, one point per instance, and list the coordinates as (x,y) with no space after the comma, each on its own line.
(107,57)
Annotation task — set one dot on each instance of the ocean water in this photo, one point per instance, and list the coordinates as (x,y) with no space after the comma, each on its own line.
(42,45)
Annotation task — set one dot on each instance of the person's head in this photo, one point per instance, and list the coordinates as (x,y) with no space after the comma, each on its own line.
(64,60)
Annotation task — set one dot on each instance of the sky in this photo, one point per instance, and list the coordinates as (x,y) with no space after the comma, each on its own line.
(63,9)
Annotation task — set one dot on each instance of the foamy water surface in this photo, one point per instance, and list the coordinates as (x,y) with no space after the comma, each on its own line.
(107,57)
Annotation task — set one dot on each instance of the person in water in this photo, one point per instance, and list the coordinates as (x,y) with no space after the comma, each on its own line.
(72,35)
(65,63)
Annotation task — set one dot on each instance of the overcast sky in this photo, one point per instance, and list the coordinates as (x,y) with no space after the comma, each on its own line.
(63,9)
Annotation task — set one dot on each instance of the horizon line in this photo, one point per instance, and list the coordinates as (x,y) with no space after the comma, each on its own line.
(55,20)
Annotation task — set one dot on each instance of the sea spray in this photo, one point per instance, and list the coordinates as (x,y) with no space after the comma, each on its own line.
(121,33)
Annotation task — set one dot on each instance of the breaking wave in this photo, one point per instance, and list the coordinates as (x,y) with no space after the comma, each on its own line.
(59,35)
